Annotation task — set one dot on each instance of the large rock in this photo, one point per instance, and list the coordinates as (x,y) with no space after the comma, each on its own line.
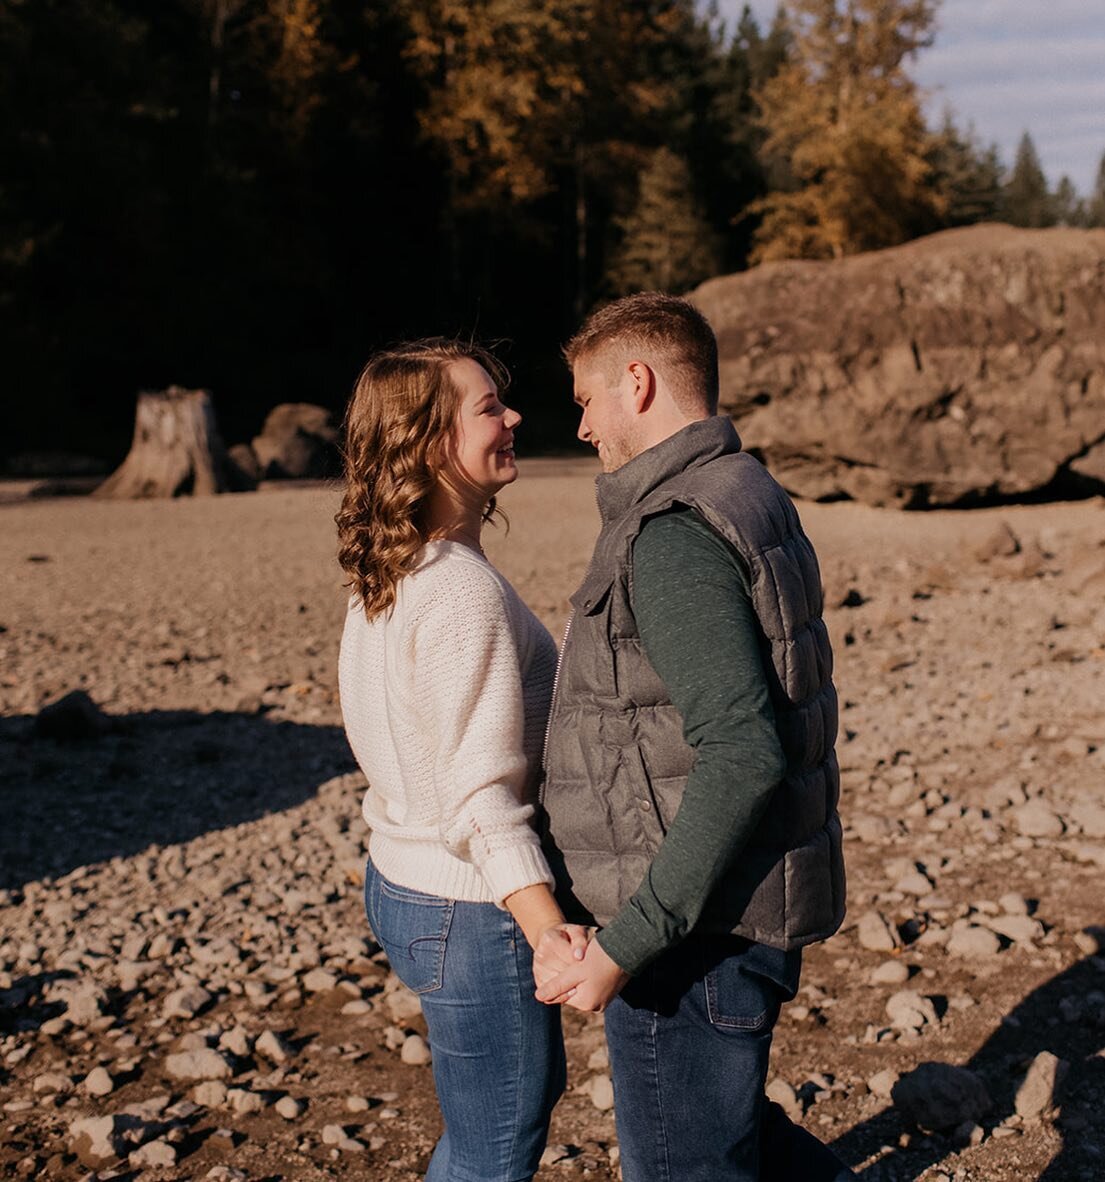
(963,366)
(941,1096)
(298,439)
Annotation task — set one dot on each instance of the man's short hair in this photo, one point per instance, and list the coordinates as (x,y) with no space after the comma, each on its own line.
(654,325)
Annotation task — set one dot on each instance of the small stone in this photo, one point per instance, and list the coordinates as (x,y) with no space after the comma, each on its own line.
(152,1154)
(890,972)
(224,1173)
(415,1050)
(1089,816)
(601,1090)
(973,942)
(273,1047)
(290,1108)
(1000,542)
(186,1003)
(914,883)
(402,1005)
(194,1066)
(1013,904)
(98,1082)
(95,1140)
(85,1004)
(210,1094)
(52,1081)
(332,1134)
(242,1101)
(968,1133)
(554,1154)
(781,1092)
(320,981)
(882,1083)
(909,1010)
(876,933)
(356,1104)
(355,1008)
(1035,819)
(351,1145)
(1021,929)
(1091,940)
(236,1041)
(1038,1092)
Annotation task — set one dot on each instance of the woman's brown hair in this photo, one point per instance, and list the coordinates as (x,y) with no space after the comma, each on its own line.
(398,426)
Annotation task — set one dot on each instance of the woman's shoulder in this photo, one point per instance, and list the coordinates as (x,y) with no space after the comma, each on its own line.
(451,574)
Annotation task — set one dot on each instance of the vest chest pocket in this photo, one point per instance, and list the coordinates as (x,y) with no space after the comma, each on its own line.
(592,670)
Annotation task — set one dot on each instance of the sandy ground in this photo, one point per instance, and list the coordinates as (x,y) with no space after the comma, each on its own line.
(184,878)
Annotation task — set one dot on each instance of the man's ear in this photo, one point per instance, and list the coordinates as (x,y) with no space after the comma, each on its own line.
(644,389)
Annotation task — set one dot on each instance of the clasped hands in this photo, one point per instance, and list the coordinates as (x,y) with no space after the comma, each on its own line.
(571,968)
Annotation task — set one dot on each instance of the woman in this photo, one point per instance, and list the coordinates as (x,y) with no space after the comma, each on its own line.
(445,680)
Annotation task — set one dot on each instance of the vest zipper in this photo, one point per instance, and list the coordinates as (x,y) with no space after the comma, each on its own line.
(552,705)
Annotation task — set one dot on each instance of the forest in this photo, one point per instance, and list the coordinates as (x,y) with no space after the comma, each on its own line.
(250,195)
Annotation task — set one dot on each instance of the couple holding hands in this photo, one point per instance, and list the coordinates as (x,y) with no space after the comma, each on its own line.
(645,827)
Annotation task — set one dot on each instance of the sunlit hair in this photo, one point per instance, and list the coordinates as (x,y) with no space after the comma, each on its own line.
(398,433)
(661,330)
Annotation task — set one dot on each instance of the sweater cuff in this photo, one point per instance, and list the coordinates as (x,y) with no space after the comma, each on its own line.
(514,868)
(630,941)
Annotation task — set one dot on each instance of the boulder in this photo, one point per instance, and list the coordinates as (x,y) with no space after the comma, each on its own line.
(297,440)
(940,1096)
(962,367)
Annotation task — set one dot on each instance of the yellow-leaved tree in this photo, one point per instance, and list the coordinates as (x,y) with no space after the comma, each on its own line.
(843,119)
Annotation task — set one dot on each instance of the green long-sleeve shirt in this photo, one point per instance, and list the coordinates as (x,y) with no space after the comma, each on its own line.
(693,606)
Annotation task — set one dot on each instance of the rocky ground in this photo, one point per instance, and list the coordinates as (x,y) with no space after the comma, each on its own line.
(187,985)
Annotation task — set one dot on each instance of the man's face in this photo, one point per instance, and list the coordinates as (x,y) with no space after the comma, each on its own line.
(606,419)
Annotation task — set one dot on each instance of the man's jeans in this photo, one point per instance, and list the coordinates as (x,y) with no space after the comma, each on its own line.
(689,1041)
(498,1054)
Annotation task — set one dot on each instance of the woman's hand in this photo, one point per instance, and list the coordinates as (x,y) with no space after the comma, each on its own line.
(559,946)
(589,985)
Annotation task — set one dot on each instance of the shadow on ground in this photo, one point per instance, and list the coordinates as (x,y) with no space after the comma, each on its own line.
(153,778)
(1066,1016)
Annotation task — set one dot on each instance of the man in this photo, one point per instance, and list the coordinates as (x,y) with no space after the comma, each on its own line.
(691,786)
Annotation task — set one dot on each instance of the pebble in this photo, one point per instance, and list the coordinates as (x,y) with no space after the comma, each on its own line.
(783,1094)
(973,943)
(273,1047)
(890,972)
(882,1083)
(601,1090)
(554,1154)
(1038,1092)
(909,1010)
(98,1082)
(332,1134)
(1037,820)
(95,1140)
(290,1108)
(243,1101)
(415,1050)
(153,1154)
(211,1093)
(194,1066)
(186,1003)
(1021,929)
(876,933)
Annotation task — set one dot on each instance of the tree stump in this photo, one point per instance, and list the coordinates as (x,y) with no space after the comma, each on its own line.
(177,450)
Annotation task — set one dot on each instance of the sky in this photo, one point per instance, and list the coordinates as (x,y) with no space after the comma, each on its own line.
(1010,66)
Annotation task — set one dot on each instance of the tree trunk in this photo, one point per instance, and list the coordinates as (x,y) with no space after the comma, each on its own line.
(176,451)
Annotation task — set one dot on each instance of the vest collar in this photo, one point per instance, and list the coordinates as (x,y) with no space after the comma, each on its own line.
(695,444)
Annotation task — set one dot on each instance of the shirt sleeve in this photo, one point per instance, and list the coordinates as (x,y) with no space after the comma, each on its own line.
(694,612)
(469,691)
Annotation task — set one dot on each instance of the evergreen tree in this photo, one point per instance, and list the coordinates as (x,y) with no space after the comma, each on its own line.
(667,243)
(1068,208)
(1095,207)
(967,176)
(1025,199)
(846,119)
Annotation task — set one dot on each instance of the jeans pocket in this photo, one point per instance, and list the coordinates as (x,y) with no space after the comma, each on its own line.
(739,1000)
(412,928)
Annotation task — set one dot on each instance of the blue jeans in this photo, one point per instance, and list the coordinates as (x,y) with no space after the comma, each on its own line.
(689,1041)
(498,1053)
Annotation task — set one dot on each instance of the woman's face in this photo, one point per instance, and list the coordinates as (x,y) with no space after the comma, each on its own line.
(483,435)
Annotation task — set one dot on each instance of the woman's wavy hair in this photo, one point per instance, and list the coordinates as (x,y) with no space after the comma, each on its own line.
(397,434)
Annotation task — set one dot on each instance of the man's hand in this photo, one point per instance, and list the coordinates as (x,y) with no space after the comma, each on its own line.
(560,946)
(589,985)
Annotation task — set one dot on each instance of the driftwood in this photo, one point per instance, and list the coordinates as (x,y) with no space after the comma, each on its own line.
(177,450)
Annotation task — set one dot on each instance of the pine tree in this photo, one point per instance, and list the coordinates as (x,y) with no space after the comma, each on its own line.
(667,243)
(844,116)
(967,176)
(1068,208)
(1025,200)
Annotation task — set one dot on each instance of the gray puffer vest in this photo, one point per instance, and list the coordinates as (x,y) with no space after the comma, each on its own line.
(616,763)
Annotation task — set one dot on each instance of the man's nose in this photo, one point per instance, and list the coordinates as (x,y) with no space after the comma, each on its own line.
(584,431)
(511,419)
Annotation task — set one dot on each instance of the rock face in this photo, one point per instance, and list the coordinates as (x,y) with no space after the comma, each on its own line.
(961,367)
(298,439)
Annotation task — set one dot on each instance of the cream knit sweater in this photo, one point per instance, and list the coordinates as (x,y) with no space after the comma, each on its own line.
(445,700)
